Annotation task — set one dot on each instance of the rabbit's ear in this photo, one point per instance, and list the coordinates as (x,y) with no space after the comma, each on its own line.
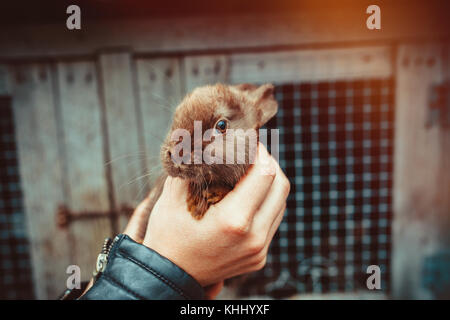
(265,103)
(248,87)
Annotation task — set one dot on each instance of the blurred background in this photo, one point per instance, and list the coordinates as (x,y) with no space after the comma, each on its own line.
(364,124)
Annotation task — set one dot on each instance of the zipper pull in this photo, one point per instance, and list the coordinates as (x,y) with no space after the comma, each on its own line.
(102,258)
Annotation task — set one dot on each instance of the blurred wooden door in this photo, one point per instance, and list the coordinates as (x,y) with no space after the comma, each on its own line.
(88,133)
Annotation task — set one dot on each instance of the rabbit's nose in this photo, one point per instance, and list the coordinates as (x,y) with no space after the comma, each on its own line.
(170,152)
(177,157)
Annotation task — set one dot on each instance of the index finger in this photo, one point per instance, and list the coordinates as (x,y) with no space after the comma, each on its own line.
(137,225)
(247,196)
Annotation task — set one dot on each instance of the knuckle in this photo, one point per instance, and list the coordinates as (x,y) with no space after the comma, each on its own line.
(236,227)
(270,171)
(286,186)
(261,264)
(256,247)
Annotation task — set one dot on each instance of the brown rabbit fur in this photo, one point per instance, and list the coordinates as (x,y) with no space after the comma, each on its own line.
(242,106)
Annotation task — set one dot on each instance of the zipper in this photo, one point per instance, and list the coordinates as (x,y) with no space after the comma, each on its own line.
(102,258)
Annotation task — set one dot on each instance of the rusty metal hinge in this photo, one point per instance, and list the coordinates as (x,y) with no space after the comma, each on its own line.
(64,216)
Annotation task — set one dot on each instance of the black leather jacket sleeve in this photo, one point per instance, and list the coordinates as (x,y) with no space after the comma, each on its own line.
(136,272)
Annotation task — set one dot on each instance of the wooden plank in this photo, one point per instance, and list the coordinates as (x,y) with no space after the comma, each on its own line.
(84,169)
(311,65)
(205,69)
(160,91)
(124,130)
(5,88)
(421,171)
(317,25)
(41,176)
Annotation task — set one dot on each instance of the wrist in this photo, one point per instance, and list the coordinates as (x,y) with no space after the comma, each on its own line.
(134,271)
(172,255)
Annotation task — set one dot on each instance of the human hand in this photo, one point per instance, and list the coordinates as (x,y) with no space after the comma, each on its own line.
(234,236)
(136,228)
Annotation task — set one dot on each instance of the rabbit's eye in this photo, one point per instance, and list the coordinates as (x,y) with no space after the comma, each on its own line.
(221,126)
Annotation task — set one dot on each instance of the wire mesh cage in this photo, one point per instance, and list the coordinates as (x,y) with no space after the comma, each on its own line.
(336,146)
(15,265)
